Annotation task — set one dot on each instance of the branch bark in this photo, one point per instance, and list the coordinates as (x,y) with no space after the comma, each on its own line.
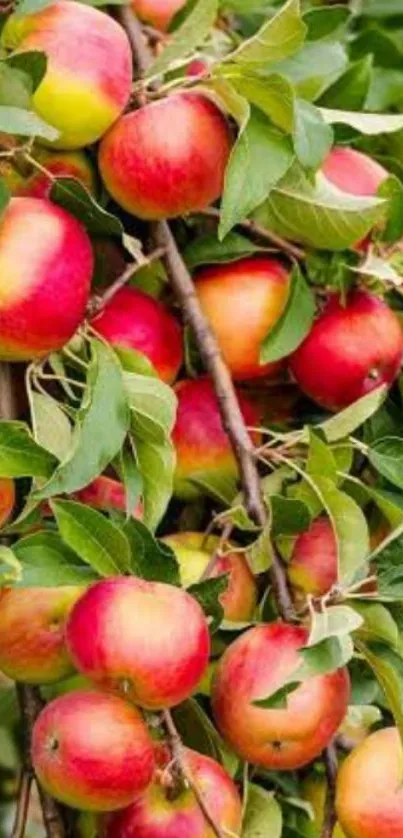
(258,231)
(330,817)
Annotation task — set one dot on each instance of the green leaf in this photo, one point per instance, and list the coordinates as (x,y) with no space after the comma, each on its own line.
(348,420)
(259,159)
(207,250)
(392,189)
(278,700)
(94,538)
(350,91)
(278,38)
(263,814)
(326,22)
(20,455)
(32,63)
(273,94)
(371,124)
(28,7)
(157,462)
(378,623)
(198,732)
(47,562)
(314,68)
(289,517)
(4,196)
(336,621)
(387,666)
(386,456)
(313,137)
(350,527)
(321,461)
(15,87)
(26,123)
(208,595)
(327,655)
(151,559)
(389,569)
(51,426)
(294,323)
(193,32)
(101,428)
(10,567)
(75,198)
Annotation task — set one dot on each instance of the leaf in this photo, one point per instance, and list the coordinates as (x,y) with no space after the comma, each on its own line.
(10,567)
(378,623)
(20,455)
(75,198)
(157,463)
(327,656)
(26,123)
(193,32)
(392,190)
(4,196)
(198,732)
(28,7)
(51,426)
(389,569)
(293,324)
(32,63)
(348,420)
(321,461)
(263,814)
(371,124)
(273,94)
(94,538)
(259,159)
(314,68)
(350,91)
(47,562)
(387,666)
(326,22)
(289,517)
(336,621)
(350,527)
(101,427)
(278,38)
(386,456)
(208,595)
(151,559)
(132,479)
(313,137)
(207,250)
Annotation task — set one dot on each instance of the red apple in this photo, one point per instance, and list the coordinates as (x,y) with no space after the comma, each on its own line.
(158,13)
(197,67)
(45,276)
(156,172)
(92,751)
(36,184)
(350,351)
(369,798)
(32,646)
(243,300)
(313,566)
(156,815)
(7,499)
(135,320)
(258,663)
(353,172)
(193,553)
(148,639)
(106,493)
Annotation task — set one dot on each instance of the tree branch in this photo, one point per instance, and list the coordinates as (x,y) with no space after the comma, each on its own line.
(330,817)
(100,300)
(258,231)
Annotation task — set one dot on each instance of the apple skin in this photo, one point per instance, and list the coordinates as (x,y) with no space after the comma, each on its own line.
(193,553)
(147,638)
(353,172)
(7,499)
(89,74)
(158,13)
(369,798)
(72,164)
(349,351)
(155,172)
(45,276)
(243,300)
(32,645)
(92,751)
(135,320)
(313,566)
(153,814)
(250,669)
(202,446)
(106,493)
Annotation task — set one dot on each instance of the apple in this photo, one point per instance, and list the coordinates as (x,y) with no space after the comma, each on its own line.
(32,646)
(135,320)
(156,172)
(158,13)
(45,276)
(193,553)
(243,300)
(258,663)
(148,639)
(106,493)
(36,184)
(351,350)
(197,67)
(88,80)
(313,566)
(369,798)
(92,751)
(7,499)
(203,450)
(157,815)
(353,172)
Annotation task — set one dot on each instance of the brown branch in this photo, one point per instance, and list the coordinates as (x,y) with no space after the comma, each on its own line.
(100,300)
(258,231)
(24,794)
(331,767)
(179,757)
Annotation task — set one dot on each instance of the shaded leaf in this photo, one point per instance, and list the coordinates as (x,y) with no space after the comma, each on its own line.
(193,32)
(278,38)
(294,323)
(20,455)
(52,428)
(75,198)
(313,137)
(47,562)
(151,559)
(94,538)
(208,595)
(263,814)
(26,123)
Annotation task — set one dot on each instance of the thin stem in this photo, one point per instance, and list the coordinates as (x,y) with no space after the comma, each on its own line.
(257,230)
(331,767)
(216,555)
(24,794)
(101,300)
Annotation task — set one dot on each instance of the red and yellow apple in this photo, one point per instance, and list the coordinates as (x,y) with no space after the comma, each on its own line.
(243,300)
(45,276)
(313,566)
(89,72)
(92,751)
(193,552)
(36,184)
(106,493)
(32,645)
(156,172)
(351,350)
(161,815)
(203,450)
(353,172)
(7,499)
(158,13)
(147,639)
(369,800)
(254,667)
(135,320)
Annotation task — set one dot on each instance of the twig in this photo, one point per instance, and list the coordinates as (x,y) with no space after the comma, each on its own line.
(24,794)
(99,301)
(257,230)
(179,757)
(330,817)
(210,567)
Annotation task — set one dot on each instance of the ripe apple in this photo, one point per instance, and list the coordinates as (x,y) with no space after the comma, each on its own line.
(159,13)
(203,450)
(92,751)
(255,666)
(313,565)
(135,320)
(45,275)
(155,172)
(36,184)
(7,499)
(243,300)
(369,799)
(148,639)
(156,814)
(106,493)
(32,646)
(89,73)
(197,67)
(353,172)
(350,351)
